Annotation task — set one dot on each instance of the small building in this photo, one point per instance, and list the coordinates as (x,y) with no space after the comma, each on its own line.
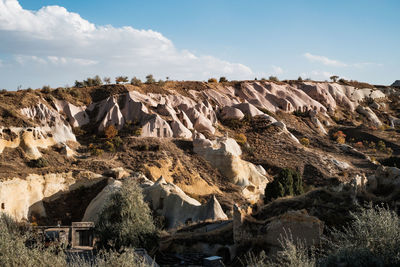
(396,84)
(78,235)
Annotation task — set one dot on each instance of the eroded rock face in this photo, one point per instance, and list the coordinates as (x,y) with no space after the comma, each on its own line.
(52,129)
(165,199)
(297,224)
(168,200)
(97,204)
(371,116)
(224,154)
(384,177)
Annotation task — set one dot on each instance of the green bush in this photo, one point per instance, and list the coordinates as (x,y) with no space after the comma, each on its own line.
(273,78)
(371,239)
(292,254)
(373,234)
(287,183)
(223,79)
(136,81)
(121,79)
(150,79)
(126,221)
(14,252)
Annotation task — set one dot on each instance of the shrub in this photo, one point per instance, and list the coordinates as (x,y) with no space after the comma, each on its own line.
(107,80)
(300,79)
(126,219)
(222,79)
(334,78)
(78,84)
(381,146)
(121,79)
(305,141)
(371,145)
(212,80)
(38,163)
(110,131)
(109,146)
(374,235)
(117,141)
(389,151)
(292,254)
(359,145)
(234,124)
(241,138)
(46,89)
(161,82)
(150,79)
(135,81)
(339,137)
(287,183)
(96,151)
(14,252)
(273,78)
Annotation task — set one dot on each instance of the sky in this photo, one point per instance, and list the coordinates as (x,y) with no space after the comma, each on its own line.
(50,42)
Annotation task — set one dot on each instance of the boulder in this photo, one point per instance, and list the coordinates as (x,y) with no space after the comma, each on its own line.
(248,109)
(295,224)
(231,113)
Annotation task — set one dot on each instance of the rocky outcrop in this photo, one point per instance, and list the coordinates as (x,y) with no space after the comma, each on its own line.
(22,197)
(169,201)
(298,225)
(384,178)
(77,116)
(224,154)
(97,204)
(371,116)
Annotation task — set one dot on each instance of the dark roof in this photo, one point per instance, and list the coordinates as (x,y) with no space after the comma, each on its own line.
(396,83)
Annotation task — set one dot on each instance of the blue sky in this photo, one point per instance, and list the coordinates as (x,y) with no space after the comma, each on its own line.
(198,39)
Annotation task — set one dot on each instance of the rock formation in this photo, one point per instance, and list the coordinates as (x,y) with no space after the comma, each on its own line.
(224,154)
(169,201)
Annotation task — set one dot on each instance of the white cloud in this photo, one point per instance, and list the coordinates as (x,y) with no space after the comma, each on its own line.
(336,63)
(277,70)
(324,60)
(57,38)
(317,75)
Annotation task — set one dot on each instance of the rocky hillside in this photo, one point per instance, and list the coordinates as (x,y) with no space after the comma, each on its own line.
(196,148)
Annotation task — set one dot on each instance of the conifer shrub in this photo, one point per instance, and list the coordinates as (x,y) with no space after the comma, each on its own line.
(287,183)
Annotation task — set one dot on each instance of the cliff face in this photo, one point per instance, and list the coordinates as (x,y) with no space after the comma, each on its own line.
(224,139)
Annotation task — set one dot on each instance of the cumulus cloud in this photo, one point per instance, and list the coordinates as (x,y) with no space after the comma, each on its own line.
(56,38)
(324,60)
